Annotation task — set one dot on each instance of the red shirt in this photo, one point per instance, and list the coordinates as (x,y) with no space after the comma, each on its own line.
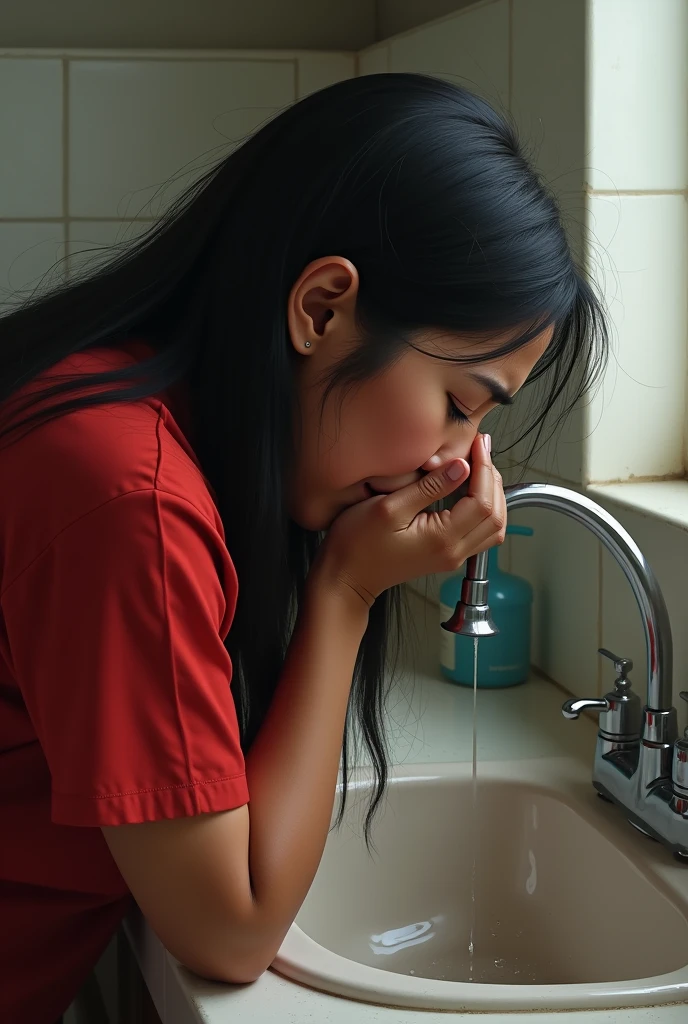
(116,593)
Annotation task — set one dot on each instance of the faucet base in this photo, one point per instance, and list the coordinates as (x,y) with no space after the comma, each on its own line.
(671,825)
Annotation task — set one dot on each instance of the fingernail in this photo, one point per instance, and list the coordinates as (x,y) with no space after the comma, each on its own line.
(487,441)
(454,470)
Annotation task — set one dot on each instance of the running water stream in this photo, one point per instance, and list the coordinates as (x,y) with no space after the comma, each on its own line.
(474,816)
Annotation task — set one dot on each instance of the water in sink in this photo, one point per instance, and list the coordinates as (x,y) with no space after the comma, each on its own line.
(505,959)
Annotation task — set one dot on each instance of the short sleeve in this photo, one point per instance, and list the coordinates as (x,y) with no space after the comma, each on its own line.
(116,633)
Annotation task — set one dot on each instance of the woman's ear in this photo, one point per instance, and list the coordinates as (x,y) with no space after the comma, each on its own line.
(322,303)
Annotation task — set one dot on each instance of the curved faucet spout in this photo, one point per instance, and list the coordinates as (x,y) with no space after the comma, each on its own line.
(628,555)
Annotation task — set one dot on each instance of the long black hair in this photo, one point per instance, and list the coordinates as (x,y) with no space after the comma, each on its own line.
(425,188)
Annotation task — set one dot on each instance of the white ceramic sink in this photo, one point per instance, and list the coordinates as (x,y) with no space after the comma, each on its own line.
(573,908)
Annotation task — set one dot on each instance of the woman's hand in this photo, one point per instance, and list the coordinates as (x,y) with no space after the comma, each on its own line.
(390,539)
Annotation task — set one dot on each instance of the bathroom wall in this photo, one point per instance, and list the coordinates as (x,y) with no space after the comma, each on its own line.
(611,141)
(636,175)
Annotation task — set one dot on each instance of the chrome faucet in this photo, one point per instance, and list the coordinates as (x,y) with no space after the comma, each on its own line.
(640,764)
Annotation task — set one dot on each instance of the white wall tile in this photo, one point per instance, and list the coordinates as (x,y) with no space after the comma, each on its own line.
(136,124)
(548,96)
(90,242)
(471,49)
(640,257)
(638,94)
(561,562)
(318,70)
(374,61)
(31,134)
(31,257)
(666,549)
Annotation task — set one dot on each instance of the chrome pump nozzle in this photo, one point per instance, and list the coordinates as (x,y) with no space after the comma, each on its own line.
(472,614)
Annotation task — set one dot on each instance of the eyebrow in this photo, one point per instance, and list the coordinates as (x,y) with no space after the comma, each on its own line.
(499,393)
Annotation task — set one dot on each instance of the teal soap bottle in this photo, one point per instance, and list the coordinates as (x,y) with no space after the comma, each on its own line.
(503,659)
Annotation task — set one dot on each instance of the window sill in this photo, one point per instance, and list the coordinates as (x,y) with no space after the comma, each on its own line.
(662,499)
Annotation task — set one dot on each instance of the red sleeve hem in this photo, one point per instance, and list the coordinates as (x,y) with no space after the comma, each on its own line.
(151,804)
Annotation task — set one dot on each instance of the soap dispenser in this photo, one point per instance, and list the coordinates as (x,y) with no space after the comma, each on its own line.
(503,659)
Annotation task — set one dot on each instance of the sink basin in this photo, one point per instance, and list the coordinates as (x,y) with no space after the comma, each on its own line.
(573,909)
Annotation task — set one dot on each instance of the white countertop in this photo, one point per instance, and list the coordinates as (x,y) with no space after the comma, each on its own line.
(430,721)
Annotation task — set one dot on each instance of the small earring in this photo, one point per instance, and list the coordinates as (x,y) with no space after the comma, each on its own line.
(306,344)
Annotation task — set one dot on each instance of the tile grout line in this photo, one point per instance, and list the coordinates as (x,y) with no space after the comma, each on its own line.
(161,56)
(77,220)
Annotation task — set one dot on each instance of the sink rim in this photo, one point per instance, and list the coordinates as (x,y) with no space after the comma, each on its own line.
(304,960)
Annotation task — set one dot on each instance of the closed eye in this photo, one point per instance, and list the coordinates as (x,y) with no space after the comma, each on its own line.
(455,413)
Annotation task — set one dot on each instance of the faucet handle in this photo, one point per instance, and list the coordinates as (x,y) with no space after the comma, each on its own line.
(679,767)
(572,708)
(622,684)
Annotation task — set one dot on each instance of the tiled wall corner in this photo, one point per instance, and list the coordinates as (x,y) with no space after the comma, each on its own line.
(31,132)
(136,124)
(640,258)
(397,16)
(638,95)
(374,60)
(318,70)
(470,48)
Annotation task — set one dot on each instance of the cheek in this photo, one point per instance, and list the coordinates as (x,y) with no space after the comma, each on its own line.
(394,426)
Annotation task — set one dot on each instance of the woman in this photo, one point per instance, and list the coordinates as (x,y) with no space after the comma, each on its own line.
(305,345)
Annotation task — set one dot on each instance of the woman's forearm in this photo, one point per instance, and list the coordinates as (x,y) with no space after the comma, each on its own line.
(293,763)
